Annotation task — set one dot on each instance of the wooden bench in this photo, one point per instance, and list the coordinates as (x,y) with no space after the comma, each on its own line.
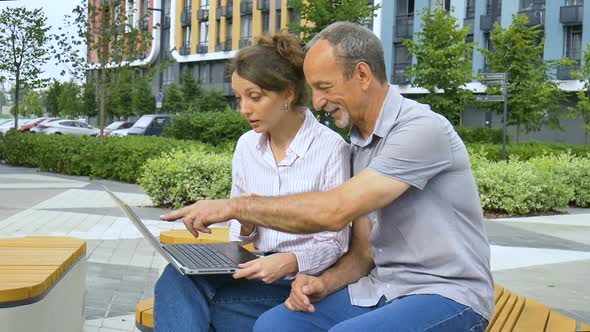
(512,312)
(42,284)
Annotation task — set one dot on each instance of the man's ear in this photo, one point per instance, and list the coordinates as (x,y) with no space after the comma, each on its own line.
(364,74)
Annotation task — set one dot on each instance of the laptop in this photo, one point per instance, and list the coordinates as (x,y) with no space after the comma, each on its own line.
(194,258)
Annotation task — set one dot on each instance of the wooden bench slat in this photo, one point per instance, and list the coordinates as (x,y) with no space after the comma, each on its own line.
(515,313)
(142,306)
(584,328)
(498,290)
(533,317)
(560,323)
(504,313)
(498,308)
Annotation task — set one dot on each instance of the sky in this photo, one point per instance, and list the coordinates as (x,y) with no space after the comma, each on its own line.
(55,10)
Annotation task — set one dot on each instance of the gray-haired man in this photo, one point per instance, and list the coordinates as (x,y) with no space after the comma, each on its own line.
(419,256)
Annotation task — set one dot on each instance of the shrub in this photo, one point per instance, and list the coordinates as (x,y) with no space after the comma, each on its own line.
(480,134)
(109,158)
(528,150)
(181,177)
(521,187)
(216,128)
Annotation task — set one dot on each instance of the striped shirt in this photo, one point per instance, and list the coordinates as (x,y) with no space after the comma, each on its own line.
(317,159)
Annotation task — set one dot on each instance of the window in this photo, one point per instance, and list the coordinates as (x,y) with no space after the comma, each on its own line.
(186,36)
(265,22)
(574,2)
(246,26)
(470,9)
(405,7)
(532,4)
(205,4)
(445,4)
(204,33)
(573,42)
(278,19)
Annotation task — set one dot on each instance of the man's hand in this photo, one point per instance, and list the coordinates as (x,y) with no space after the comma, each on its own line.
(269,268)
(306,290)
(198,216)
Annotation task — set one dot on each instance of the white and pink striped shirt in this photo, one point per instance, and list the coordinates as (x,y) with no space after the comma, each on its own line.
(317,159)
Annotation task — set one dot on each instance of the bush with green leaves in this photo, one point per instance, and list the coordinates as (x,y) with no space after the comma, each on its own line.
(215,128)
(520,187)
(109,158)
(480,134)
(528,150)
(182,177)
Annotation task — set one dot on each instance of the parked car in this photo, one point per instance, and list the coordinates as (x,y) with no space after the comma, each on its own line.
(30,124)
(6,126)
(120,132)
(37,128)
(72,127)
(150,125)
(117,125)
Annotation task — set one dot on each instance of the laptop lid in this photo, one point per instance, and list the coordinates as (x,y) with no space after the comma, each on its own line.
(144,230)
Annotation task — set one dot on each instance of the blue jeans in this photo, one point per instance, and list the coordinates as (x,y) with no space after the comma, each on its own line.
(415,313)
(212,302)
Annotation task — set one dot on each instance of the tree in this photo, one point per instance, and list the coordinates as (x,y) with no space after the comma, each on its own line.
(533,99)
(443,65)
(89,104)
(173,101)
(191,91)
(23,48)
(144,101)
(52,98)
(112,41)
(69,101)
(582,109)
(33,104)
(321,13)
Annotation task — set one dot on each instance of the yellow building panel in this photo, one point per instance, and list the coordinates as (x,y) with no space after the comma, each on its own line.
(284,14)
(178,25)
(195,26)
(212,26)
(256,20)
(237,24)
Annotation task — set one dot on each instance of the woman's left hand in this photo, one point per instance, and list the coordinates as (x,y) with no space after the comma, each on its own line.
(269,268)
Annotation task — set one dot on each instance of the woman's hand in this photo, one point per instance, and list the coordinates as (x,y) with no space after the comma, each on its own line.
(269,268)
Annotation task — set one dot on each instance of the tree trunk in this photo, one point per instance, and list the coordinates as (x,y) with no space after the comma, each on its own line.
(517,132)
(102,101)
(585,137)
(16,94)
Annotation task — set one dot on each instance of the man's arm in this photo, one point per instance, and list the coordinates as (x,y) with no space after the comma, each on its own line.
(355,264)
(301,213)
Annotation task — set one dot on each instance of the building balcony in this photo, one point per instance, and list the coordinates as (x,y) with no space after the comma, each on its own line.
(485,23)
(228,12)
(203,47)
(469,22)
(186,16)
(185,49)
(404,27)
(536,16)
(246,8)
(202,15)
(564,72)
(166,24)
(245,42)
(218,13)
(290,4)
(263,5)
(571,15)
(399,74)
(144,24)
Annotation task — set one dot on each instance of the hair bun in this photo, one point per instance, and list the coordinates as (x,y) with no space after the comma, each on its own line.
(286,45)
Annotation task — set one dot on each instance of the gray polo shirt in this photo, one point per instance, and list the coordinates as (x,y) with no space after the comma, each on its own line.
(431,239)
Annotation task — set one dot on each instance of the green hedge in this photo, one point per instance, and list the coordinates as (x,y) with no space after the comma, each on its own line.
(479,134)
(110,158)
(536,185)
(527,150)
(215,128)
(180,177)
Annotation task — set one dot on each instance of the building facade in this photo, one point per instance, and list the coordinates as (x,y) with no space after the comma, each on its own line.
(202,35)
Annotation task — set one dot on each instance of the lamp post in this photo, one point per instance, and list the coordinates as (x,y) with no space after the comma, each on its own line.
(162,11)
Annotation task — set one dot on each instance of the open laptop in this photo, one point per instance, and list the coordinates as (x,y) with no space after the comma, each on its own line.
(194,258)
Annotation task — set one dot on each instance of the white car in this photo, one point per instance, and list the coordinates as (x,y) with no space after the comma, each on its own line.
(119,132)
(37,129)
(72,127)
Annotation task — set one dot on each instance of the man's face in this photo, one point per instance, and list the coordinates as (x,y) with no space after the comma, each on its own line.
(332,92)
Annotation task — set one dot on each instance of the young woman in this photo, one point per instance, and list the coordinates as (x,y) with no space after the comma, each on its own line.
(287,151)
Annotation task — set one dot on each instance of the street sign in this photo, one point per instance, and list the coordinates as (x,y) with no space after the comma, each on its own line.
(159,98)
(492,82)
(494,76)
(490,98)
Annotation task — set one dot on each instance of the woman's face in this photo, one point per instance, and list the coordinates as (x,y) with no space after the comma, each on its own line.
(263,109)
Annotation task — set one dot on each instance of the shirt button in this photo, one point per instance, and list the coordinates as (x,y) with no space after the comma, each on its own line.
(380,250)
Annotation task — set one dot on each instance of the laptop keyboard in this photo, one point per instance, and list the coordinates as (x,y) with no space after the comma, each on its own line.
(203,256)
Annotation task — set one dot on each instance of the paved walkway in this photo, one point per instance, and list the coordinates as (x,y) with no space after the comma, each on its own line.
(546,258)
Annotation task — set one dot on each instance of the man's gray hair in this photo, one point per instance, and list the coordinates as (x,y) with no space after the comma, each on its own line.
(353,43)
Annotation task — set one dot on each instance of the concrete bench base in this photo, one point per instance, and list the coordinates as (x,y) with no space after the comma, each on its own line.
(42,284)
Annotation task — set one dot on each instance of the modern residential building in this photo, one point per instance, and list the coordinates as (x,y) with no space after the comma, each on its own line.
(202,35)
